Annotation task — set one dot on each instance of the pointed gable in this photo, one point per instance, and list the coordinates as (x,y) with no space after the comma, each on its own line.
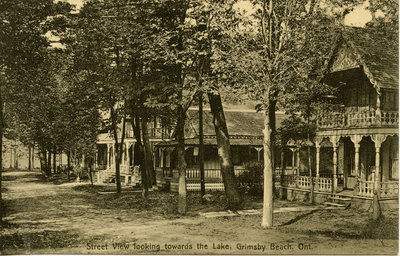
(370,50)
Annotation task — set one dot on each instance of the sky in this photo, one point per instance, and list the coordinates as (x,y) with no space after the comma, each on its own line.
(357,18)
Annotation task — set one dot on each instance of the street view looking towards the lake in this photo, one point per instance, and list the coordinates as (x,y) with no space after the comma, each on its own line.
(199,127)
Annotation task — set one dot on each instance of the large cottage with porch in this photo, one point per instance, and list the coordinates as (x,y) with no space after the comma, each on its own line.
(357,149)
(245,133)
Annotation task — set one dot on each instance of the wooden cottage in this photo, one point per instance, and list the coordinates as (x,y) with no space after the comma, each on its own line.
(356,149)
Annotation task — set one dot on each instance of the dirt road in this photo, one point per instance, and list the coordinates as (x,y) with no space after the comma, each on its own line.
(44,218)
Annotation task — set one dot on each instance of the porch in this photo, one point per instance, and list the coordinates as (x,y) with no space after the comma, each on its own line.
(363,189)
(362,119)
(212,178)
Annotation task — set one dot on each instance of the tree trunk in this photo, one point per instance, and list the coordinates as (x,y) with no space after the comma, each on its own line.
(148,156)
(68,164)
(201,147)
(49,162)
(55,160)
(33,157)
(180,136)
(272,122)
(140,156)
(2,209)
(224,152)
(29,158)
(118,149)
(90,163)
(44,166)
(267,219)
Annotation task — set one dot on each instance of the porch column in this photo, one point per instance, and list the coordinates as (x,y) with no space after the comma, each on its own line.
(293,151)
(128,156)
(378,139)
(318,141)
(258,152)
(108,155)
(356,139)
(335,143)
(96,156)
(378,113)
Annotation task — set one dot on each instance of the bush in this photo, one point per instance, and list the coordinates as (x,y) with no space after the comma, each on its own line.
(251,180)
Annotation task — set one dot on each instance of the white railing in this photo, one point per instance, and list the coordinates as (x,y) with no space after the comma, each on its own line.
(389,189)
(323,184)
(194,173)
(303,182)
(365,188)
(390,118)
(362,119)
(215,186)
(359,119)
(331,121)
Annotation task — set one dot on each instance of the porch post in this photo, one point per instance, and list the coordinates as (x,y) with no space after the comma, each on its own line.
(378,113)
(318,141)
(108,156)
(335,142)
(378,139)
(96,156)
(356,139)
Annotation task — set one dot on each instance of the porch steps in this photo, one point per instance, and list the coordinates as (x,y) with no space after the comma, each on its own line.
(335,205)
(338,202)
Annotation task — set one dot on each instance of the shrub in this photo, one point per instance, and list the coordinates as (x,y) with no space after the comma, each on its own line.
(251,180)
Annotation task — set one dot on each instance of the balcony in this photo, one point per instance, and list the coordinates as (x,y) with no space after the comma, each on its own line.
(160,133)
(359,119)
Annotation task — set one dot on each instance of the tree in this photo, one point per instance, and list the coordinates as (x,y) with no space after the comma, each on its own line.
(262,57)
(98,41)
(22,54)
(205,19)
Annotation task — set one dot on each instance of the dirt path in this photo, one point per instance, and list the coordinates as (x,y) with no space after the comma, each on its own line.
(48,218)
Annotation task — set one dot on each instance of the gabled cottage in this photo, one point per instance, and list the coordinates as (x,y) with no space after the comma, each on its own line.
(245,133)
(357,148)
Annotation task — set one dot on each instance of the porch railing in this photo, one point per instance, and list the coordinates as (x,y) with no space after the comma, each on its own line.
(304,182)
(389,189)
(194,173)
(323,184)
(358,119)
(365,188)
(160,133)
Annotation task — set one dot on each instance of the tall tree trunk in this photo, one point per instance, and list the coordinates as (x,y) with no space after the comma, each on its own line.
(180,136)
(68,164)
(148,156)
(118,148)
(233,196)
(49,162)
(140,156)
(2,209)
(33,157)
(90,163)
(55,160)
(44,166)
(29,158)
(201,147)
(271,113)
(267,218)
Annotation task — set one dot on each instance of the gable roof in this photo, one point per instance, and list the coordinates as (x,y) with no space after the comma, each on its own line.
(374,52)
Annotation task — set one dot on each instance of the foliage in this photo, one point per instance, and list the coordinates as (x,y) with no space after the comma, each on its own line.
(250,181)
(296,128)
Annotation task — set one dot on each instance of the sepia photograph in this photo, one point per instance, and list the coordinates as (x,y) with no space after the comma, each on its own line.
(199,127)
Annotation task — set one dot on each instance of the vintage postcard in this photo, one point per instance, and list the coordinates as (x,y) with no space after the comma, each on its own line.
(180,127)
